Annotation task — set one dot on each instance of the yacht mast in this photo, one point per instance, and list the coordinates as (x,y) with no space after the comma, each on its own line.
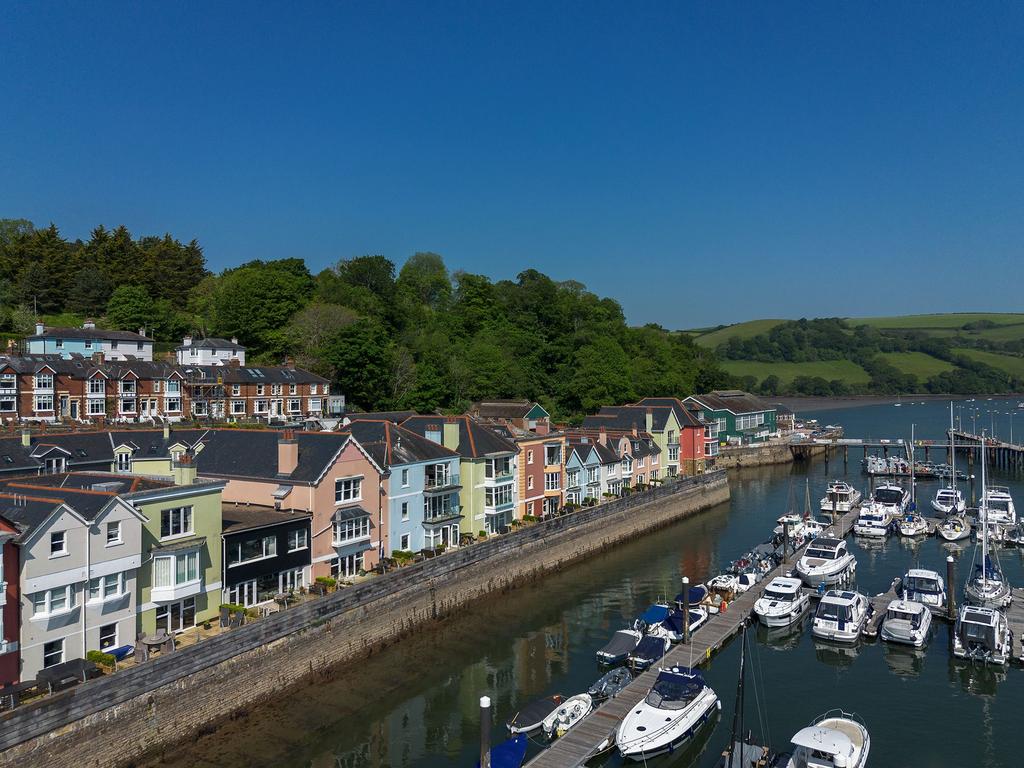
(952,453)
(983,514)
(913,456)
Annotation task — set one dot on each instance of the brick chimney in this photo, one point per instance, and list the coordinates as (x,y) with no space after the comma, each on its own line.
(450,439)
(26,438)
(39,329)
(289,362)
(287,453)
(649,419)
(97,357)
(234,362)
(602,436)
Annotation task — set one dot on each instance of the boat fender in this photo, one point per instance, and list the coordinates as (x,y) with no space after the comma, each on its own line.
(723,607)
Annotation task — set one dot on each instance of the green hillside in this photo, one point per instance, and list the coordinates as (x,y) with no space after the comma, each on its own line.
(1009,363)
(948,320)
(742,330)
(920,364)
(844,370)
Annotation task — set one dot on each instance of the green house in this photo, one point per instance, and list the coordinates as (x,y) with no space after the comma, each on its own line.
(179,583)
(738,417)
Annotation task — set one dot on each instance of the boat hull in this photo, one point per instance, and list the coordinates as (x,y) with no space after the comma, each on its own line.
(816,577)
(640,750)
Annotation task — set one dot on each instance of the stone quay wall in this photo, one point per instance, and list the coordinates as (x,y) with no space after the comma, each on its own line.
(137,713)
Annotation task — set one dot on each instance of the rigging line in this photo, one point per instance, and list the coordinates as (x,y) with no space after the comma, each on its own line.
(761,716)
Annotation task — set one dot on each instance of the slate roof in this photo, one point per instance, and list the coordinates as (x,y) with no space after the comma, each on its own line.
(396,416)
(389,444)
(625,417)
(253,453)
(89,333)
(733,400)
(211,343)
(241,517)
(503,409)
(684,415)
(26,512)
(476,440)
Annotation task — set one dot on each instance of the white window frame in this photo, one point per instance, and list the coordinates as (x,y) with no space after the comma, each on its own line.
(183,515)
(114,526)
(42,403)
(298,540)
(43,381)
(190,555)
(405,542)
(50,662)
(552,481)
(101,590)
(48,610)
(348,490)
(268,549)
(346,531)
(113,643)
(63,551)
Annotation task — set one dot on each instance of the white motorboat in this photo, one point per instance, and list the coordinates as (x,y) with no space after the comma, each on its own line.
(925,587)
(874,521)
(568,714)
(782,603)
(949,501)
(793,523)
(531,717)
(997,506)
(982,634)
(906,622)
(826,561)
(649,650)
(840,496)
(834,740)
(913,525)
(673,626)
(892,498)
(986,586)
(954,528)
(841,616)
(675,708)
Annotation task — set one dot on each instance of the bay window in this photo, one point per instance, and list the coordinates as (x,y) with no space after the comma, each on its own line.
(174,570)
(346,531)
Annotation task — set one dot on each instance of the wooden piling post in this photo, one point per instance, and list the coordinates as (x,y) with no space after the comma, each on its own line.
(950,589)
(686,609)
(485,732)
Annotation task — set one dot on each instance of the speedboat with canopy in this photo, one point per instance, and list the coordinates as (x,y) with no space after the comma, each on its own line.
(649,650)
(620,646)
(678,704)
(906,622)
(782,603)
(873,520)
(531,717)
(841,616)
(840,496)
(834,740)
(826,561)
(891,498)
(982,634)
(923,586)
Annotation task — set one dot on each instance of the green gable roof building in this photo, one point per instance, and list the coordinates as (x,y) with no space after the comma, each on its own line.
(740,417)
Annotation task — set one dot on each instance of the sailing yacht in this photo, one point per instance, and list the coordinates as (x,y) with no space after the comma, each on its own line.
(950,500)
(986,586)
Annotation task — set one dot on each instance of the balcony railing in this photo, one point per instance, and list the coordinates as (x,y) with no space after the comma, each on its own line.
(442,481)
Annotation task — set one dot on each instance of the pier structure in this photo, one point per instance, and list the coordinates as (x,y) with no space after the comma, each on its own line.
(588,737)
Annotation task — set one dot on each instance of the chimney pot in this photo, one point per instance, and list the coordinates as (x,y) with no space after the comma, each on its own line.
(142,331)
(39,329)
(186,341)
(234,339)
(89,324)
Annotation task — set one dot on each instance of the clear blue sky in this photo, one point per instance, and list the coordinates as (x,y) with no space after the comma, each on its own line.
(701,162)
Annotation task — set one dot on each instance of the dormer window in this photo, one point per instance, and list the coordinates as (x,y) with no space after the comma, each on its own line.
(128,386)
(44,380)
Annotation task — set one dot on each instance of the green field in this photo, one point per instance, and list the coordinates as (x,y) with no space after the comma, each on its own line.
(742,330)
(1012,365)
(922,365)
(849,372)
(949,320)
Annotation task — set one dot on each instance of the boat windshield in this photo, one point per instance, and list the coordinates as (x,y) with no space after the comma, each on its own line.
(888,496)
(834,611)
(998,505)
(923,584)
(824,554)
(914,619)
(947,493)
(674,691)
(772,594)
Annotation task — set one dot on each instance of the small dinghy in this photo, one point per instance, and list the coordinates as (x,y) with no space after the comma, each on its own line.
(619,647)
(531,717)
(509,754)
(648,651)
(610,684)
(570,712)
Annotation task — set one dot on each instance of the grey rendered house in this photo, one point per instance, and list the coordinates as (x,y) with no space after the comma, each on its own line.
(80,551)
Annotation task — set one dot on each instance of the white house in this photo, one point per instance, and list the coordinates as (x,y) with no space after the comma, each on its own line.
(210,351)
(87,340)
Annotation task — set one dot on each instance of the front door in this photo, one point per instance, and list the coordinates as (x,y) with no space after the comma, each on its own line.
(63,405)
(74,409)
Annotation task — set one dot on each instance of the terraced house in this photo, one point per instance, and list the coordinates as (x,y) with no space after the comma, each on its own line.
(88,340)
(78,553)
(738,417)
(487,465)
(54,388)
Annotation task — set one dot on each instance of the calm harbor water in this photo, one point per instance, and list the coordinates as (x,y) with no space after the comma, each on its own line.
(415,705)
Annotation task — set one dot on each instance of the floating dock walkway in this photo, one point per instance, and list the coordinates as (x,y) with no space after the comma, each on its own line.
(586,739)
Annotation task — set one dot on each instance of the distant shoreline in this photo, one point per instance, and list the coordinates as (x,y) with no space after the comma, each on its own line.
(801,405)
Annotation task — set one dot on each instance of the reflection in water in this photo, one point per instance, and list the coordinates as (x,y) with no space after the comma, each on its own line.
(781,638)
(904,660)
(836,654)
(976,679)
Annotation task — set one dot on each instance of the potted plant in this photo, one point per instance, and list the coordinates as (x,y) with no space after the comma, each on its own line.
(481,535)
(104,661)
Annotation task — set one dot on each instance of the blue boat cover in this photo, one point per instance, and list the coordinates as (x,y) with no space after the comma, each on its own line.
(654,615)
(650,648)
(508,754)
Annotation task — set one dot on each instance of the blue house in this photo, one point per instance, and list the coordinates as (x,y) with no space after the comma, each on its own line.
(88,340)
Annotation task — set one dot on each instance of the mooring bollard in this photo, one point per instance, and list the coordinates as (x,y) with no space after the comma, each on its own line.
(485,732)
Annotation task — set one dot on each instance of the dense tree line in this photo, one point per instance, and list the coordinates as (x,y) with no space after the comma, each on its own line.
(416,337)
